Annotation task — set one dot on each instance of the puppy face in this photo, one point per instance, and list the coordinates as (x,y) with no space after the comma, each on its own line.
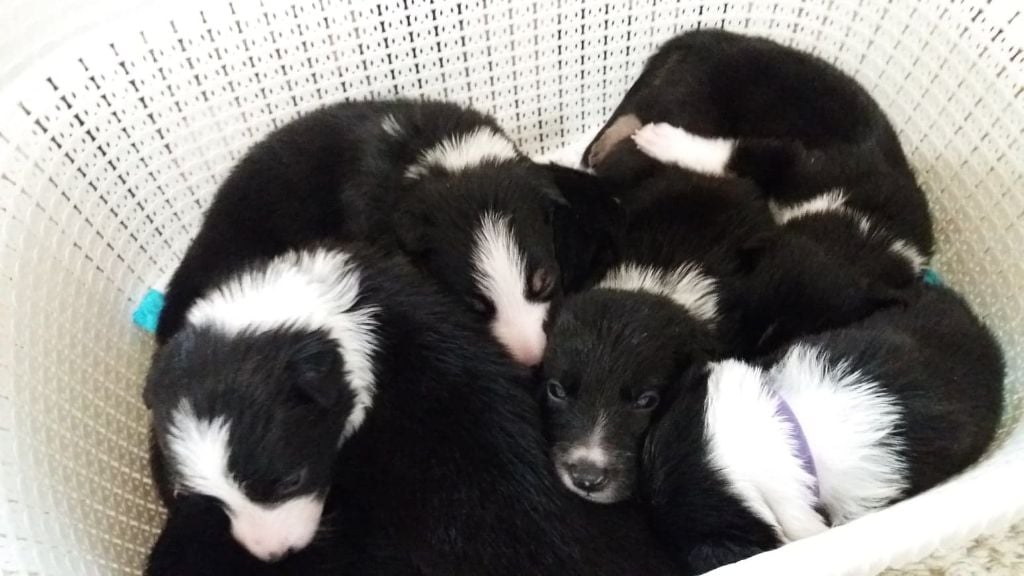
(487,235)
(612,357)
(253,421)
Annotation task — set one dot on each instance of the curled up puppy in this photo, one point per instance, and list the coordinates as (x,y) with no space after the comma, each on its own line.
(439,182)
(751,456)
(822,150)
(853,226)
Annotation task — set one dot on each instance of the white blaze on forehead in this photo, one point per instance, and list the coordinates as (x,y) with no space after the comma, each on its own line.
(687,286)
(309,290)
(466,150)
(199,451)
(499,269)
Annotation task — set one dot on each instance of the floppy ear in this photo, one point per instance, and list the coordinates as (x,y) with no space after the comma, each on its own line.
(315,370)
(177,350)
(587,227)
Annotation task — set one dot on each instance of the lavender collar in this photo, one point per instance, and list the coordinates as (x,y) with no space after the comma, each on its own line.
(803,449)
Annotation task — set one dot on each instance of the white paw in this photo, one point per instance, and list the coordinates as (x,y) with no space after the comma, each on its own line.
(671,145)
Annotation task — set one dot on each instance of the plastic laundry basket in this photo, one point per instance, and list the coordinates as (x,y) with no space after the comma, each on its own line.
(118,120)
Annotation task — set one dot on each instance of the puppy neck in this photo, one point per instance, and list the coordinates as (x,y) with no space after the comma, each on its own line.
(687,285)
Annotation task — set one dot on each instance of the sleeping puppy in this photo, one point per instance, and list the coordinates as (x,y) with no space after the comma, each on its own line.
(668,303)
(749,457)
(812,138)
(440,182)
(343,373)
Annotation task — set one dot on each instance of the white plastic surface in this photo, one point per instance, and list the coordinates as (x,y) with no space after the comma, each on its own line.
(118,119)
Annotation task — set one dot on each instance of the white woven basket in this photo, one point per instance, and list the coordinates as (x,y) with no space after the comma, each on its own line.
(118,120)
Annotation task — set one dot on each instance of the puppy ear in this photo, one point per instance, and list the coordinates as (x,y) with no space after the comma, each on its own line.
(179,349)
(587,227)
(315,370)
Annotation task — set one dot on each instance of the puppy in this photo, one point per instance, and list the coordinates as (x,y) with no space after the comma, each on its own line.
(252,397)
(669,303)
(366,383)
(812,138)
(440,182)
(751,456)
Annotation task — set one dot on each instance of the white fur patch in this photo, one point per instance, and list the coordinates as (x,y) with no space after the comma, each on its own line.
(849,424)
(831,201)
(669,144)
(462,151)
(686,285)
(912,255)
(835,201)
(199,450)
(591,451)
(499,269)
(309,290)
(752,446)
(391,126)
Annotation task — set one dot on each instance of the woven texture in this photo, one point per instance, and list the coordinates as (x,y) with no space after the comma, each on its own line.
(118,121)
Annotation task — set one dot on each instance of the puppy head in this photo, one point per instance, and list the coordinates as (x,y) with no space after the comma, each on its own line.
(254,422)
(252,399)
(612,360)
(487,234)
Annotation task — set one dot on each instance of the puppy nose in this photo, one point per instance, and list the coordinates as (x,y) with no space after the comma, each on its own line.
(588,476)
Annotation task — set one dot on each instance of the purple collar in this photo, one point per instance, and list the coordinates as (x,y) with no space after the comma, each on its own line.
(803,449)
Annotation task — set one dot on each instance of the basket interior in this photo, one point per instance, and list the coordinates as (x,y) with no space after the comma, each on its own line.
(114,136)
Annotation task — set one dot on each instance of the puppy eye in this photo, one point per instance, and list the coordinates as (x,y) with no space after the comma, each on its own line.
(480,305)
(292,482)
(556,390)
(542,284)
(646,401)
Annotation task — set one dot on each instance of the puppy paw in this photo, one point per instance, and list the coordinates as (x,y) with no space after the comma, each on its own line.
(671,145)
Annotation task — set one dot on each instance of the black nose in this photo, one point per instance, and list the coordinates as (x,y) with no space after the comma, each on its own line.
(588,476)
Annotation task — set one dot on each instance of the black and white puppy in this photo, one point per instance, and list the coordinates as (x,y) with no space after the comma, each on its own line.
(669,303)
(252,397)
(441,182)
(749,457)
(819,146)
(343,371)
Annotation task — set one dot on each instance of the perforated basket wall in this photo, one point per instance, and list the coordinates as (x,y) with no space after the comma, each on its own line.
(119,119)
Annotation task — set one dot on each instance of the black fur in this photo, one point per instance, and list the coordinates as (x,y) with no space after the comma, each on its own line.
(941,365)
(448,474)
(338,175)
(803,126)
(608,347)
